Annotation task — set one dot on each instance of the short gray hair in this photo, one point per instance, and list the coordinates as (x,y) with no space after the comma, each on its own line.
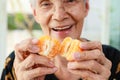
(33,2)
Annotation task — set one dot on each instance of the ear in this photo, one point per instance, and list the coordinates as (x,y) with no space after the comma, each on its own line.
(34,14)
(87,7)
(33,10)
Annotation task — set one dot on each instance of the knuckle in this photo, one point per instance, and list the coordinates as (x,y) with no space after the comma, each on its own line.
(47,62)
(84,55)
(17,46)
(40,70)
(28,40)
(98,43)
(107,73)
(97,52)
(86,75)
(92,63)
(44,58)
(109,63)
(32,56)
(47,71)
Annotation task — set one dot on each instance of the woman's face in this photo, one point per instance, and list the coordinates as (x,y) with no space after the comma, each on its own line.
(61,18)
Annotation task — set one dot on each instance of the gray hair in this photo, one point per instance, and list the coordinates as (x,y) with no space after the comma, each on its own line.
(33,2)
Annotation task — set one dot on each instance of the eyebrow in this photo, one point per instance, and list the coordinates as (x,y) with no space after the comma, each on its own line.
(45,0)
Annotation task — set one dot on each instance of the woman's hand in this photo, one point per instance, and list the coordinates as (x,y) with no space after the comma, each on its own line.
(63,73)
(91,64)
(28,65)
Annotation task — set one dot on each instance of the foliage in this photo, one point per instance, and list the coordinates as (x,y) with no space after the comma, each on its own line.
(17,21)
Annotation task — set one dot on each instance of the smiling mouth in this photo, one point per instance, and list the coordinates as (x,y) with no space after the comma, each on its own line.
(62,28)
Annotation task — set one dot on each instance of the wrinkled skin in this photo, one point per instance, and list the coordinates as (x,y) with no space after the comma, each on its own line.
(59,19)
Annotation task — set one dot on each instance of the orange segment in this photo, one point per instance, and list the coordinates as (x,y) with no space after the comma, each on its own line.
(51,47)
(54,48)
(48,46)
(65,46)
(73,48)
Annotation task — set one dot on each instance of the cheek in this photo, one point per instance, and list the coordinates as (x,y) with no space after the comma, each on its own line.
(77,12)
(40,19)
(43,20)
(78,15)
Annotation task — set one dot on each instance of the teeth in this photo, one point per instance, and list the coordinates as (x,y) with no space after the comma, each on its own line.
(62,28)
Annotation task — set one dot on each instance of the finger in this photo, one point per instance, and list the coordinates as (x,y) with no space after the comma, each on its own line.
(108,64)
(23,45)
(24,48)
(34,59)
(34,48)
(84,74)
(106,73)
(91,65)
(18,56)
(88,75)
(29,44)
(39,78)
(93,55)
(91,45)
(90,55)
(40,71)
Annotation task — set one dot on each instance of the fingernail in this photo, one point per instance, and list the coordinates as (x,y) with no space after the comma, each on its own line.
(55,69)
(34,41)
(76,55)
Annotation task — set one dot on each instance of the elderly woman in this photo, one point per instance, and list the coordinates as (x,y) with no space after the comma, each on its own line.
(60,19)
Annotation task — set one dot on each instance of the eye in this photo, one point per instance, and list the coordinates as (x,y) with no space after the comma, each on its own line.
(45,4)
(70,0)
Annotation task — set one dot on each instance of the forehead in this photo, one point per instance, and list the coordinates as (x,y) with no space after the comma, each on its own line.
(50,0)
(59,0)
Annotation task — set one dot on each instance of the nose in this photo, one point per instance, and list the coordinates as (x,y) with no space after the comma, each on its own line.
(59,13)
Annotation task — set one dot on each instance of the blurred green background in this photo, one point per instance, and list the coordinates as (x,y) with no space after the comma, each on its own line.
(115,24)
